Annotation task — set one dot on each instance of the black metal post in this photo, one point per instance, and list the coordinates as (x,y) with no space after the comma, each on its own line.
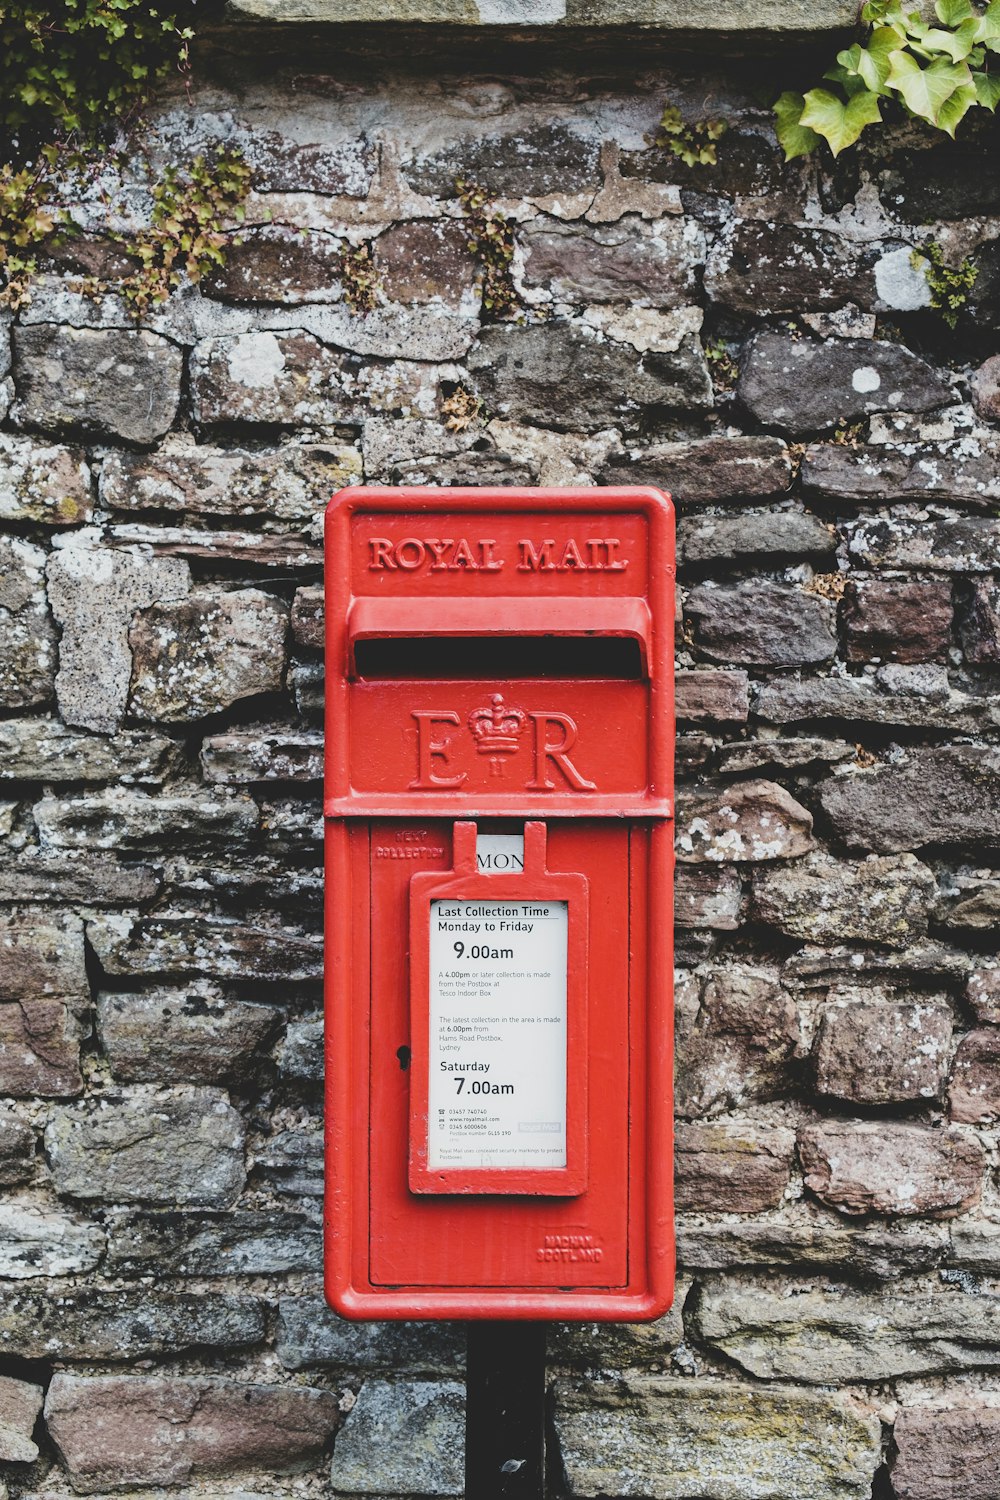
(505,1412)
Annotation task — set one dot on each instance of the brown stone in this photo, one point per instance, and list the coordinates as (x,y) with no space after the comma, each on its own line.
(27,634)
(875,1049)
(782,754)
(708,697)
(980,625)
(738,1048)
(927,795)
(43,750)
(862,1167)
(704,470)
(739,1169)
(949,1450)
(192,1035)
(630,261)
(17,1149)
(20,1404)
(707,897)
(737,821)
(251,549)
(117,1430)
(904,622)
(978,911)
(39,1049)
(426,260)
(308,617)
(42,957)
(982,990)
(282,379)
(190,947)
(986,389)
(767,268)
(64,879)
(955,473)
(760,623)
(974,1092)
(273,263)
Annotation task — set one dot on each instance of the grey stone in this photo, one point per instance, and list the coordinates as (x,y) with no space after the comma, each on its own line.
(27,635)
(44,750)
(249,756)
(731,1168)
(671,1439)
(282,551)
(311,1334)
(705,470)
(283,163)
(285,379)
(196,656)
(737,1049)
(568,376)
(834,1335)
(754,536)
(952,473)
(307,681)
(39,1049)
(782,754)
(904,622)
(975,1246)
(119,1430)
(630,261)
(179,1146)
(118,383)
(205,947)
(63,878)
(94,593)
(978,911)
(20,1404)
(17,1150)
(950,544)
(802,385)
(619,1346)
(118,1325)
(974,1091)
(43,957)
(765,268)
(37,1242)
(744,820)
(802,1235)
(289,484)
(826,900)
(927,796)
(193,1035)
(308,617)
(43,483)
(705,696)
(761,623)
(980,627)
(878,700)
(403,1438)
(122,819)
(873,1048)
(982,991)
(300,1054)
(535,163)
(292,1161)
(707,897)
(241,1243)
(860,1167)
(948,1449)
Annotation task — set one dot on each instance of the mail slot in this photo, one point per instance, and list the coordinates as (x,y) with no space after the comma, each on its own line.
(499,784)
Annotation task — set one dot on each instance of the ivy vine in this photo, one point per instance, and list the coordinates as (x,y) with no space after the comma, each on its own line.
(934,72)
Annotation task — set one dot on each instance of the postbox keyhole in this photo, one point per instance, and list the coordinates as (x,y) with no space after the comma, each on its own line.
(403,1053)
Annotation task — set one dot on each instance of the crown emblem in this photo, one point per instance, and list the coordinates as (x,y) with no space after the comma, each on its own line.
(496,731)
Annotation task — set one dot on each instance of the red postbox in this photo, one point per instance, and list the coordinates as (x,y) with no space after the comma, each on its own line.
(499,796)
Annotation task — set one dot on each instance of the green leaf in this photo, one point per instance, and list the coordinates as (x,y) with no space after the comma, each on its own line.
(955,44)
(953,12)
(925,91)
(795,138)
(955,109)
(840,124)
(987,89)
(873,65)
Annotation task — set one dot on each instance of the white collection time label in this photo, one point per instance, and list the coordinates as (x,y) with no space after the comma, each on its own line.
(497,1094)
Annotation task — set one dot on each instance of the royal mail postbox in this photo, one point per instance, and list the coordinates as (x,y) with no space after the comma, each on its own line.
(498,832)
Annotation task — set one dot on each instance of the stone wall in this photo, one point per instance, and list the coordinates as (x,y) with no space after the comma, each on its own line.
(754,338)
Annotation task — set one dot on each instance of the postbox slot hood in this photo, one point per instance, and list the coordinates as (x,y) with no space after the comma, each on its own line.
(510,636)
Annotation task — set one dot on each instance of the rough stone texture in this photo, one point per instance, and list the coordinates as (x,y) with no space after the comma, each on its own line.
(37,1242)
(117,383)
(980,626)
(982,991)
(196,656)
(940,795)
(39,1049)
(131,820)
(193,1035)
(238,759)
(904,622)
(728,1168)
(875,1049)
(706,470)
(948,1450)
(118,1430)
(82,878)
(310,1334)
(814,16)
(151,1146)
(17,1146)
(20,1404)
(783,268)
(43,958)
(805,385)
(213,948)
(300,1054)
(45,484)
(953,473)
(737,1049)
(986,389)
(707,697)
(707,897)
(121,1325)
(806,1236)
(951,544)
(974,1092)
(754,535)
(94,593)
(238,1243)
(43,750)
(277,264)
(761,624)
(745,820)
(825,900)
(862,1167)
(672,1439)
(623,262)
(403,1438)
(27,636)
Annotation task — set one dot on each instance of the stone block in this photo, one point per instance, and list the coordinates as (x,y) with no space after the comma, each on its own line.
(905,622)
(93,1324)
(39,1049)
(20,1404)
(309,617)
(37,1242)
(182,1146)
(670,1439)
(241,1243)
(281,379)
(119,1430)
(274,263)
(741,821)
(567,376)
(706,470)
(94,593)
(707,897)
(921,701)
(644,265)
(292,1162)
(974,1091)
(985,385)
(761,623)
(862,1167)
(948,1450)
(426,260)
(737,1050)
(805,385)
(980,625)
(17,1150)
(66,879)
(191,1035)
(948,544)
(42,958)
(731,1168)
(826,900)
(803,1235)
(873,1048)
(44,750)
(765,268)
(249,756)
(704,696)
(927,796)
(982,991)
(538,162)
(27,635)
(300,1053)
(283,164)
(249,550)
(127,820)
(310,1334)
(197,656)
(101,382)
(977,912)
(43,483)
(955,473)
(403,1438)
(748,756)
(192,947)
(755,537)
(623,1346)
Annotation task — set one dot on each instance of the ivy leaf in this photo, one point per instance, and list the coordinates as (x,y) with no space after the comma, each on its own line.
(840,124)
(957,44)
(953,12)
(873,64)
(987,89)
(955,109)
(924,91)
(796,139)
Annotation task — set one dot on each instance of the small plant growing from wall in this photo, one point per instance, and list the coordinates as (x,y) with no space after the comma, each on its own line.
(491,240)
(949,286)
(694,143)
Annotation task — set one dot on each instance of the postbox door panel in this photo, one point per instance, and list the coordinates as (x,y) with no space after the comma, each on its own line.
(524,1240)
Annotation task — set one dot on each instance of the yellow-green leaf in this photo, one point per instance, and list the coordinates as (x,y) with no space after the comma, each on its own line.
(987,89)
(925,91)
(795,138)
(839,123)
(953,12)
